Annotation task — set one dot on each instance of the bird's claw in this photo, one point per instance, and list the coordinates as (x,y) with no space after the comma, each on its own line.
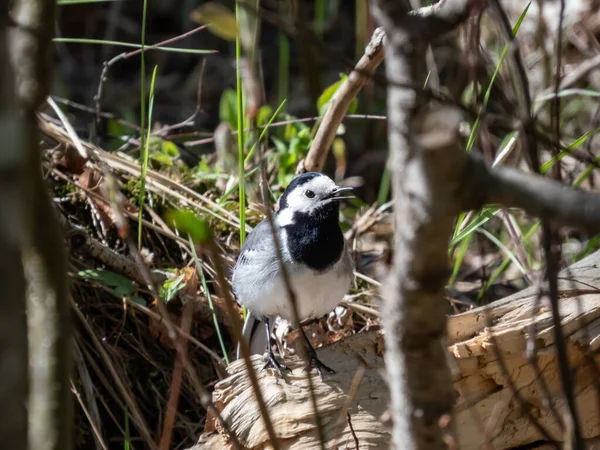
(315,362)
(279,368)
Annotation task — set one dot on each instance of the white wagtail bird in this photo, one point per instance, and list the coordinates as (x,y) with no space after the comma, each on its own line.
(315,253)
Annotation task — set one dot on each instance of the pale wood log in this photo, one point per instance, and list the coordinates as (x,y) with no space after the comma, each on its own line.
(486,409)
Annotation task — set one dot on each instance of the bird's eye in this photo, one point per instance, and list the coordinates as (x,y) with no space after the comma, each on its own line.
(309,194)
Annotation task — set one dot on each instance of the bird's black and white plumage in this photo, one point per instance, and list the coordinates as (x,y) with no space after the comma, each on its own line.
(314,252)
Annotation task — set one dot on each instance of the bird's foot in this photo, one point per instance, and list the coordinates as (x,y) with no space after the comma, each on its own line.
(315,362)
(272,362)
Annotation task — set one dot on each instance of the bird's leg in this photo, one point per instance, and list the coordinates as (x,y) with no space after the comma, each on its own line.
(313,358)
(272,361)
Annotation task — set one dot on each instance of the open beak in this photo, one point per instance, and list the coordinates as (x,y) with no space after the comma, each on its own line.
(335,194)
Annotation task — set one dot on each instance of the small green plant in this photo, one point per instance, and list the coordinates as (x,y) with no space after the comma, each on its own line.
(170,288)
(328,93)
(289,150)
(120,286)
(162,152)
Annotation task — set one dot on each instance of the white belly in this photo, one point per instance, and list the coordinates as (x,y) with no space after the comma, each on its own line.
(316,293)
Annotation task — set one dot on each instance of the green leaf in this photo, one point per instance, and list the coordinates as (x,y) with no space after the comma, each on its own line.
(327,95)
(115,128)
(122,286)
(503,248)
(220,20)
(138,300)
(144,156)
(170,288)
(264,114)
(169,148)
(162,158)
(186,222)
(477,222)
(325,98)
(460,256)
(591,247)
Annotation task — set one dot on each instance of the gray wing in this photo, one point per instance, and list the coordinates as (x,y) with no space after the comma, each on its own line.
(257,262)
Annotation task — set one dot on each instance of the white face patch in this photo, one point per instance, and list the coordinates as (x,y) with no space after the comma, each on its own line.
(305,198)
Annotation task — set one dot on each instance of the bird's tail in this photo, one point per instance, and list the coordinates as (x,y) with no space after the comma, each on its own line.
(254,334)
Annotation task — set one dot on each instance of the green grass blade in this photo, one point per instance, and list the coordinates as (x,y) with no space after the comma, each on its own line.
(477,222)
(143,140)
(459,223)
(200,271)
(486,97)
(462,252)
(127,440)
(498,243)
(144,158)
(263,132)
(384,186)
(240,129)
(568,93)
(251,152)
(492,278)
(575,144)
(132,45)
(235,186)
(504,265)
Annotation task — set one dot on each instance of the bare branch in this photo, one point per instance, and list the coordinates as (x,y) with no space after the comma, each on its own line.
(537,195)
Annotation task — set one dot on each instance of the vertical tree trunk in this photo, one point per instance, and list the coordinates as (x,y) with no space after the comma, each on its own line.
(42,250)
(427,165)
(13,323)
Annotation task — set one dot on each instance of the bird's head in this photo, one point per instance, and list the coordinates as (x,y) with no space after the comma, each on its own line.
(310,193)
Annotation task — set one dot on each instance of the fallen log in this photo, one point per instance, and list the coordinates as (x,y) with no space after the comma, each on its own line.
(493,350)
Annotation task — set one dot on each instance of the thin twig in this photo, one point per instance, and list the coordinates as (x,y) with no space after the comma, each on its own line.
(97,436)
(555,105)
(345,411)
(123,56)
(190,120)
